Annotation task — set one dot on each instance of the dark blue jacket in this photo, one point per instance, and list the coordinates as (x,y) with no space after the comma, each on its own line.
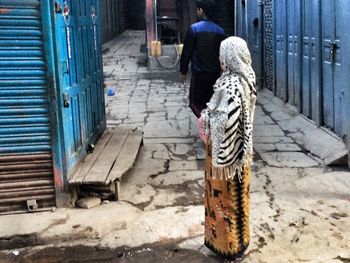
(201,47)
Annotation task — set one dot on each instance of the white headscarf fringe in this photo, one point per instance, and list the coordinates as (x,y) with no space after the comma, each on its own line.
(229,172)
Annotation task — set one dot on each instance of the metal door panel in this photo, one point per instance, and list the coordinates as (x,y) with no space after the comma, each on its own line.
(80,45)
(328,25)
(255,39)
(281,47)
(307,53)
(294,63)
(315,62)
(342,69)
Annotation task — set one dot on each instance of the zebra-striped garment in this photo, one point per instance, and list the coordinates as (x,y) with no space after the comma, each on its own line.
(229,116)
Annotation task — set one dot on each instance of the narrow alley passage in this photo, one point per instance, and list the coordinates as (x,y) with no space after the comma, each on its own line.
(299,207)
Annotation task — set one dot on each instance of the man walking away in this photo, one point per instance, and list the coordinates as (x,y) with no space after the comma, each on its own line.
(201,48)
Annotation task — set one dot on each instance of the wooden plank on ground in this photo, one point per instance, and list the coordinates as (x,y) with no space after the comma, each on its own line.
(127,157)
(85,166)
(102,166)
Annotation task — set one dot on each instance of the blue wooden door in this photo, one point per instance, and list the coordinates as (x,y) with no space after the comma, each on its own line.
(280,23)
(311,67)
(336,66)
(241,15)
(255,37)
(294,63)
(81,79)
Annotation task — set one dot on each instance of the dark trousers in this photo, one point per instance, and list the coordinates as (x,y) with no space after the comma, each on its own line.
(201,91)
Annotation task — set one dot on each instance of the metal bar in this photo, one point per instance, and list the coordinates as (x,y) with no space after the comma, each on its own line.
(22,3)
(23,121)
(15,73)
(25,130)
(33,23)
(23,111)
(38,196)
(20,43)
(29,139)
(21,101)
(28,166)
(26,149)
(24,185)
(22,82)
(23,63)
(24,176)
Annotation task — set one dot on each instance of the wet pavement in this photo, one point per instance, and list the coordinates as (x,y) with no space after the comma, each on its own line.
(299,207)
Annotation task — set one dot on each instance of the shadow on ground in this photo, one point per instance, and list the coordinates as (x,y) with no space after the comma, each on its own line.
(146,254)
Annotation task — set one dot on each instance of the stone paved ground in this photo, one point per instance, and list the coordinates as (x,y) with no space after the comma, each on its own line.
(299,207)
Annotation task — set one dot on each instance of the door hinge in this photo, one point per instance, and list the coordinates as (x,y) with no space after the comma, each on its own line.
(66,100)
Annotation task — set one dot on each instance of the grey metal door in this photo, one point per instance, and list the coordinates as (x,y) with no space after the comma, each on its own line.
(336,65)
(281,48)
(255,37)
(26,165)
(294,64)
(311,68)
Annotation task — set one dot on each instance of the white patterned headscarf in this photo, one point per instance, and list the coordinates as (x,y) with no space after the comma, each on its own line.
(236,60)
(230,113)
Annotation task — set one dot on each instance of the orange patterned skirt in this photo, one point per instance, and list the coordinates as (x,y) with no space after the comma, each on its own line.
(227,231)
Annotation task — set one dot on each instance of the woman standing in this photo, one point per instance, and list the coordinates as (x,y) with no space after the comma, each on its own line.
(228,123)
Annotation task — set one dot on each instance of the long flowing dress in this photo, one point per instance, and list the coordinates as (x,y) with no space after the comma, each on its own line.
(227,229)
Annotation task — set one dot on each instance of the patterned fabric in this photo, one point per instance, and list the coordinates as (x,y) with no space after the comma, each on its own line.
(229,115)
(227,230)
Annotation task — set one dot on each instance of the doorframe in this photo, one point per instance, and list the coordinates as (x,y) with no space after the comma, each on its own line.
(50,46)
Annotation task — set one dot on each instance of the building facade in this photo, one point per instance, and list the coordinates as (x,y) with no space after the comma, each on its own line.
(299,50)
(51,98)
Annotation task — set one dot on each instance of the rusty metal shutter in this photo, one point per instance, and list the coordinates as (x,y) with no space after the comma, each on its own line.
(26,169)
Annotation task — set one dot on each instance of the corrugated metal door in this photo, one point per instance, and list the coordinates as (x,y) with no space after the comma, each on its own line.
(79,47)
(311,68)
(280,24)
(336,67)
(26,168)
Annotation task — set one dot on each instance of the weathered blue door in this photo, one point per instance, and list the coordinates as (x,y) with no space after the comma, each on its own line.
(241,24)
(79,49)
(255,38)
(311,68)
(280,23)
(294,64)
(336,66)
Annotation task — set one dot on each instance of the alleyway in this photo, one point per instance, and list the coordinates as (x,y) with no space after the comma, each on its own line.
(299,207)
